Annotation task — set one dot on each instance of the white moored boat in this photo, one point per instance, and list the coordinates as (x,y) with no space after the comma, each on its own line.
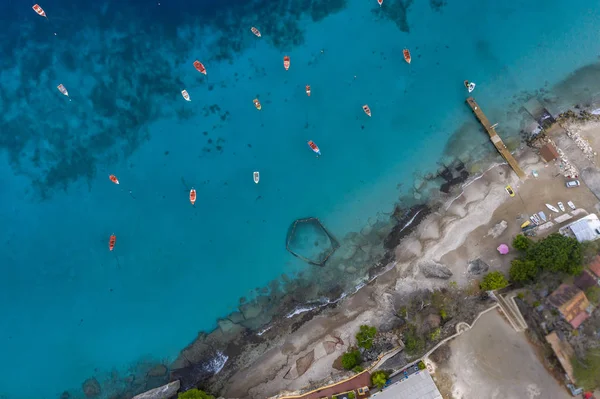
(553,209)
(561,206)
(571,204)
(542,216)
(256,177)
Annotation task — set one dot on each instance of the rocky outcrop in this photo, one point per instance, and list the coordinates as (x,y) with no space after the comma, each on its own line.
(304,363)
(435,270)
(498,229)
(91,388)
(160,370)
(164,392)
(477,267)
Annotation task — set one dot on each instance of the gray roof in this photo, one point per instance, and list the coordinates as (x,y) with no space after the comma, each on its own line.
(417,386)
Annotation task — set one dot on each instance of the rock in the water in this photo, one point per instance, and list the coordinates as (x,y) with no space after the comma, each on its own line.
(498,229)
(160,370)
(435,270)
(65,395)
(250,310)
(91,388)
(477,267)
(164,392)
(236,317)
(304,363)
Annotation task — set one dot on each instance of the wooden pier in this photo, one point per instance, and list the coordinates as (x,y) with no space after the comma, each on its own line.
(495,138)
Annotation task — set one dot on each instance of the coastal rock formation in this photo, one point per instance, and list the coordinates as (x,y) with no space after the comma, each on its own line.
(498,229)
(435,270)
(305,362)
(91,388)
(477,267)
(164,392)
(160,370)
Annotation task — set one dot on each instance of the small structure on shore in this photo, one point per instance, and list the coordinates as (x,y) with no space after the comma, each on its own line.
(584,229)
(572,304)
(549,153)
(310,241)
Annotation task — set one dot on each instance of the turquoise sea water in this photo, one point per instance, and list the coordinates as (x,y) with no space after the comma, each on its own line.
(71,309)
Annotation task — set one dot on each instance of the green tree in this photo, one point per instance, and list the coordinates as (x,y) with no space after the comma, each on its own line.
(522,243)
(351,395)
(557,253)
(365,336)
(593,294)
(413,343)
(443,314)
(379,378)
(350,359)
(194,394)
(435,334)
(493,281)
(421,365)
(587,370)
(523,270)
(357,369)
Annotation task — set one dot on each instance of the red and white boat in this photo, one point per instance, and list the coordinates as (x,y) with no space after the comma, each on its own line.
(63,90)
(286,62)
(380,2)
(407,56)
(200,67)
(257,104)
(186,95)
(39,10)
(314,147)
(308,90)
(255,31)
(367,109)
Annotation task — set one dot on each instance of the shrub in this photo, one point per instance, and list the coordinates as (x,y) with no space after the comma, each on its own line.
(557,253)
(435,334)
(357,369)
(351,395)
(194,394)
(522,243)
(421,365)
(587,370)
(493,281)
(443,314)
(379,378)
(350,359)
(523,270)
(536,304)
(365,336)
(593,294)
(413,343)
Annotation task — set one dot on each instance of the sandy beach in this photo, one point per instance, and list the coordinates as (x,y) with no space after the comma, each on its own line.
(466,227)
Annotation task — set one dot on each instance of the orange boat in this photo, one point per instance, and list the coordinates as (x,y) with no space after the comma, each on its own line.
(113,179)
(286,62)
(308,90)
(367,109)
(380,2)
(257,104)
(314,147)
(406,54)
(111,242)
(200,67)
(39,10)
(255,31)
(193,196)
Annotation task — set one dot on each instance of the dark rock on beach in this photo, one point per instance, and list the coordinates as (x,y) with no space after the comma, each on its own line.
(91,388)
(435,270)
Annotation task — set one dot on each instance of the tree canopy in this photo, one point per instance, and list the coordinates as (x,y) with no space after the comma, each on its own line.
(379,378)
(557,253)
(350,359)
(587,370)
(365,336)
(522,243)
(523,270)
(194,394)
(493,281)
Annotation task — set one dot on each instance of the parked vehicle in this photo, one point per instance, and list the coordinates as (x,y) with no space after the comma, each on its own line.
(573,183)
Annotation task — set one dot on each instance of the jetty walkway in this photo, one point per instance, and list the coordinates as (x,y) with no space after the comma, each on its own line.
(490,129)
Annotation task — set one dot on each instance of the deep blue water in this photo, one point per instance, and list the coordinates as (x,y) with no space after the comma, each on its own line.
(71,309)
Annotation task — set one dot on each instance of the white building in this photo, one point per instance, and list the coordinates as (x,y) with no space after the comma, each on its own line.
(584,229)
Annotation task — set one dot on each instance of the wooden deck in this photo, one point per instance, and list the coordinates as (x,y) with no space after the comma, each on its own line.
(495,138)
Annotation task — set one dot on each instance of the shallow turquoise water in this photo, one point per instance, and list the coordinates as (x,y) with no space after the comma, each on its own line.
(72,309)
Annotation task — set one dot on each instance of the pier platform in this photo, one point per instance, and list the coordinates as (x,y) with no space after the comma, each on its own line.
(489,128)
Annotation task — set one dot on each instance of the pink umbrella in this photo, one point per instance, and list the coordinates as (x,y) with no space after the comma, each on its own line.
(503,249)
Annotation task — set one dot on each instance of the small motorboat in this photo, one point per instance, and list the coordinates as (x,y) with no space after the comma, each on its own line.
(510,191)
(571,204)
(308,90)
(314,147)
(63,90)
(380,2)
(407,56)
(255,31)
(561,206)
(536,219)
(469,85)
(112,241)
(525,224)
(256,176)
(367,109)
(200,67)
(257,104)
(542,216)
(286,62)
(39,10)
(113,179)
(553,209)
(192,196)
(186,95)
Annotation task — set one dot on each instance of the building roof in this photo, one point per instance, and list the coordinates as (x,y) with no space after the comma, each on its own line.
(584,229)
(548,152)
(585,280)
(570,301)
(580,318)
(563,351)
(416,386)
(595,266)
